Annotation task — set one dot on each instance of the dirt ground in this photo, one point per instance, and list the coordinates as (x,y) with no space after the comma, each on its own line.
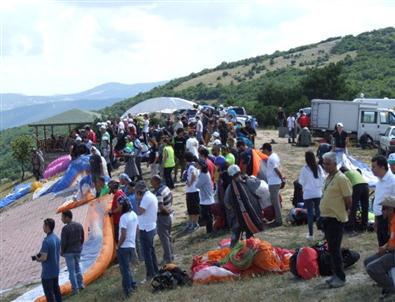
(269,287)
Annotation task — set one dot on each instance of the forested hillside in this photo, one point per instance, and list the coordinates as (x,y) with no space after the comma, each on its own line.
(338,68)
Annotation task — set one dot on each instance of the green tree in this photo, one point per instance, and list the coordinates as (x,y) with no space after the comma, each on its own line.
(21,147)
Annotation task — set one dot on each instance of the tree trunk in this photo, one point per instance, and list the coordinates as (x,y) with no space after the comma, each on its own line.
(23,171)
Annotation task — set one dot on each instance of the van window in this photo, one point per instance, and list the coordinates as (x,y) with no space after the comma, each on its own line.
(385,117)
(369,117)
(391,116)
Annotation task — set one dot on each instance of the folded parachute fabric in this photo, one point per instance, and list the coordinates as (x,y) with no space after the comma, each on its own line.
(250,257)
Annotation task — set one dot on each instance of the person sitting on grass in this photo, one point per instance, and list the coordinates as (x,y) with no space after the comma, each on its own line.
(379,265)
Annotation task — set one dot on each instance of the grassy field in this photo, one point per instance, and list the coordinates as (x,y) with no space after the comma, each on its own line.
(270,287)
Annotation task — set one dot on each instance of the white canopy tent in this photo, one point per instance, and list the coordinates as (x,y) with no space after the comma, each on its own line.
(160,104)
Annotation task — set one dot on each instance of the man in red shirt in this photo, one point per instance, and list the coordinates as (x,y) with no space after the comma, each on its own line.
(90,134)
(119,197)
(203,154)
(303,120)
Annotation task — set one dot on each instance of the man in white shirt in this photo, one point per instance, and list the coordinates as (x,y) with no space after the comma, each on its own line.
(147,211)
(291,128)
(178,125)
(146,128)
(126,245)
(275,180)
(192,144)
(385,187)
(199,129)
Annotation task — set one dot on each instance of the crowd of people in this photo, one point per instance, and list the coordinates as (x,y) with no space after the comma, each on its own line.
(213,156)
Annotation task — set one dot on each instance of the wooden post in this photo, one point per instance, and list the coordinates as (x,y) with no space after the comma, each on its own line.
(69,129)
(37,141)
(52,130)
(45,138)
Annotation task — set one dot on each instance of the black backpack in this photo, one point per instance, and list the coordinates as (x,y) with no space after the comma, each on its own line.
(324,259)
(169,279)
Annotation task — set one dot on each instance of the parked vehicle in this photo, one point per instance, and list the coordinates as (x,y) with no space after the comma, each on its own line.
(357,117)
(387,141)
(241,115)
(381,103)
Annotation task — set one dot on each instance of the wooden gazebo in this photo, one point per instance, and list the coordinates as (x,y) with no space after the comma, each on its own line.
(70,118)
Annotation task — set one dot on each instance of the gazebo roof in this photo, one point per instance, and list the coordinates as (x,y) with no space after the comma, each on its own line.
(70,117)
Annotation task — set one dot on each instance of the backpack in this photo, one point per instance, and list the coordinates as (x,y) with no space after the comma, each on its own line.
(184,176)
(168,277)
(324,259)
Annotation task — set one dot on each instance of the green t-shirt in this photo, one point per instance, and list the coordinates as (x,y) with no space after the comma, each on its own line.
(230,159)
(169,162)
(355,177)
(104,191)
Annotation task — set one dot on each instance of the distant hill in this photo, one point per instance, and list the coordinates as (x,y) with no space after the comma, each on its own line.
(367,66)
(19,109)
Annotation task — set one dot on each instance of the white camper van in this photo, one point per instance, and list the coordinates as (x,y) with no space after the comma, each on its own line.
(357,117)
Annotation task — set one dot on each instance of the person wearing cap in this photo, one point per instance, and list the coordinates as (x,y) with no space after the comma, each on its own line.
(124,179)
(164,220)
(379,265)
(275,180)
(147,217)
(335,201)
(106,152)
(385,187)
(243,209)
(391,162)
(303,120)
(104,136)
(340,139)
(206,194)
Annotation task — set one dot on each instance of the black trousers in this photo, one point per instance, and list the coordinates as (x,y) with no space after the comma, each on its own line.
(334,234)
(382,230)
(51,289)
(360,197)
(205,212)
(168,179)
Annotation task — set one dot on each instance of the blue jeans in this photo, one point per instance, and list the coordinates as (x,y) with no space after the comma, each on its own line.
(73,266)
(147,245)
(313,209)
(124,257)
(51,289)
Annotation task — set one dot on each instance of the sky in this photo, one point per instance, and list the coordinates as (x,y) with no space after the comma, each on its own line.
(55,47)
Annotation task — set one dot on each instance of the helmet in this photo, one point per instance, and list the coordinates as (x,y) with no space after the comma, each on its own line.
(233,170)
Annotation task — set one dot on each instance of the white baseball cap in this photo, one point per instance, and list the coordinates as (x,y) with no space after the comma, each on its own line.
(233,170)
(339,125)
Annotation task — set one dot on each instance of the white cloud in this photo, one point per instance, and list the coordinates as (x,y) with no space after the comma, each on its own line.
(57,47)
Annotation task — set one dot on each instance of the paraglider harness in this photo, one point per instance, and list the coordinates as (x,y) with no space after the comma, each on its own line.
(169,277)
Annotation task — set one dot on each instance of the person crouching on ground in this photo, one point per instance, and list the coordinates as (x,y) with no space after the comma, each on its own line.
(206,194)
(335,202)
(379,265)
(126,247)
(49,257)
(72,238)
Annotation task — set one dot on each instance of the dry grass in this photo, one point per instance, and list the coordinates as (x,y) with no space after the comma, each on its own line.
(270,287)
(215,77)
